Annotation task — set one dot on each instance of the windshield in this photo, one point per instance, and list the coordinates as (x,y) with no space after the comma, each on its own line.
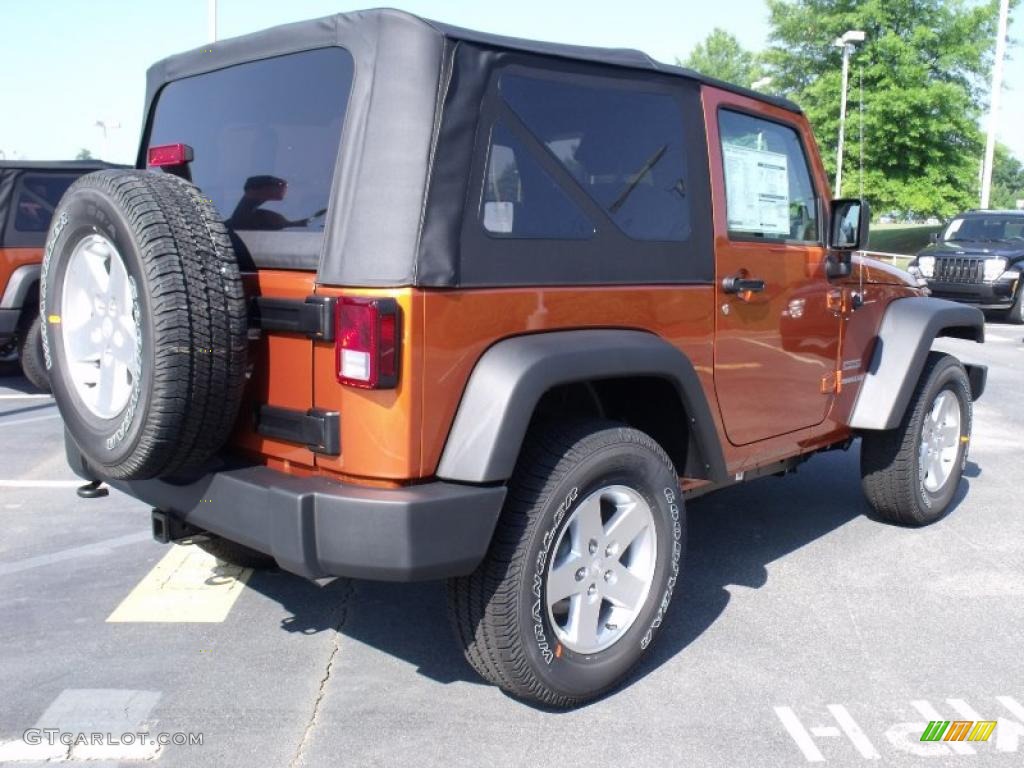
(987,228)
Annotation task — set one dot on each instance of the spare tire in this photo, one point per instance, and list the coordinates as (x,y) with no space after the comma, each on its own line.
(145,323)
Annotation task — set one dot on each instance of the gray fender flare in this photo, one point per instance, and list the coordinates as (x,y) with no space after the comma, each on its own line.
(905,337)
(511,377)
(16,292)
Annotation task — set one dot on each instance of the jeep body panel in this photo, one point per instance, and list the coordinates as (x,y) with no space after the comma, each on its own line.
(511,377)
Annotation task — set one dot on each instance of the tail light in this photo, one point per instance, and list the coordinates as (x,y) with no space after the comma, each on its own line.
(367,338)
(169,155)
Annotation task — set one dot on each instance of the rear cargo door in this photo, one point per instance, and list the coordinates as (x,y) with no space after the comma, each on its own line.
(264,138)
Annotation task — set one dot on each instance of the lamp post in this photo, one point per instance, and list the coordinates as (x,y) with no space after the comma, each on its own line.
(211,20)
(846,43)
(993,117)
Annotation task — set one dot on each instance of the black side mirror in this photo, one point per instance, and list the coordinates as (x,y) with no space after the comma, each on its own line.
(933,237)
(848,230)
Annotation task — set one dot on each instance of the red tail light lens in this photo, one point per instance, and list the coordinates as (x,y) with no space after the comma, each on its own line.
(169,154)
(367,338)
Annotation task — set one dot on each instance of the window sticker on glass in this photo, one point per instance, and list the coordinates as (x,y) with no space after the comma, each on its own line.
(757,190)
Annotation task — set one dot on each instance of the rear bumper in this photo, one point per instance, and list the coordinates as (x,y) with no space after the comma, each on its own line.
(998,295)
(315,527)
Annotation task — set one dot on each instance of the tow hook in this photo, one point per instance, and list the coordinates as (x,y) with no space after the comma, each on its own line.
(93,490)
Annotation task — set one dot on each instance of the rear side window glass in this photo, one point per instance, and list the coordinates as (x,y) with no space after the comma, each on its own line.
(265,136)
(521,200)
(38,196)
(625,148)
(769,193)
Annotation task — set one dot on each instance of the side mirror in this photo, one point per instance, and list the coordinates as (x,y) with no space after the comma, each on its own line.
(933,237)
(848,230)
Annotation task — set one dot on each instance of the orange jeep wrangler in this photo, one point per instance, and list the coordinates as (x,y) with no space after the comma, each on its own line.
(390,299)
(29,191)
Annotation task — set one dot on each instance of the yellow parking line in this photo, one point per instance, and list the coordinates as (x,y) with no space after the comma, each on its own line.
(187,585)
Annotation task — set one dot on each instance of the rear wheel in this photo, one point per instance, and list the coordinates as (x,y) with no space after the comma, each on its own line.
(30,353)
(911,473)
(581,568)
(146,331)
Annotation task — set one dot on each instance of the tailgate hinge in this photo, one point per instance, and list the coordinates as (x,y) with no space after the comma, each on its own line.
(318,430)
(314,316)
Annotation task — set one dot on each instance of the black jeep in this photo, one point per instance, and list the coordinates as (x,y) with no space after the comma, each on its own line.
(978,259)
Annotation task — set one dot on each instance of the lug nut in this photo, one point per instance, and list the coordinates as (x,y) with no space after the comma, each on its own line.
(592,546)
(609,576)
(592,590)
(612,549)
(580,573)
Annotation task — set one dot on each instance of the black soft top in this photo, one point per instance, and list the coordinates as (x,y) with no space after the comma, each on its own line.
(392,218)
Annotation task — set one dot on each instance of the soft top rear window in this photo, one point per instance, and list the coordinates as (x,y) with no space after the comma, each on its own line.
(265,136)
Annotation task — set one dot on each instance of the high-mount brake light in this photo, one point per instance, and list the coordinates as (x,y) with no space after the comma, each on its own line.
(168,155)
(367,337)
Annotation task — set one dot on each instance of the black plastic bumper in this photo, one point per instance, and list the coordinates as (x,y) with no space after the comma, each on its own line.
(998,295)
(315,527)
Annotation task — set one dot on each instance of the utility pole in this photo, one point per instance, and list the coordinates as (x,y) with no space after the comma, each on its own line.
(211,20)
(993,117)
(846,43)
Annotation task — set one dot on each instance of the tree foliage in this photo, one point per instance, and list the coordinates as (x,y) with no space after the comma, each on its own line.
(1007,179)
(924,65)
(721,56)
(83,154)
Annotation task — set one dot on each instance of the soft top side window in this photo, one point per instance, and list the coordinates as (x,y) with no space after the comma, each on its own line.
(769,191)
(623,146)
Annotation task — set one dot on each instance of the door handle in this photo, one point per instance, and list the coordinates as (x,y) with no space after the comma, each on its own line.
(737,284)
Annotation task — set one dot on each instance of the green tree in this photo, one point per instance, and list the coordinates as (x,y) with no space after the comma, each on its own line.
(722,56)
(1007,179)
(924,67)
(84,154)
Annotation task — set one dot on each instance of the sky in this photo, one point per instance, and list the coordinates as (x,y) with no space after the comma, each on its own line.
(66,64)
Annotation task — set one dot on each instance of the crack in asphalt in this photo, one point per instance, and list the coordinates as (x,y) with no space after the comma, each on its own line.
(314,718)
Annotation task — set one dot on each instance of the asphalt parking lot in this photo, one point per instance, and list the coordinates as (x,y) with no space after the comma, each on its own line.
(803,631)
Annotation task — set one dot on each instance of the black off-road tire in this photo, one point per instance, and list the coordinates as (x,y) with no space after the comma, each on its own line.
(497,612)
(189,310)
(1015,314)
(890,462)
(234,553)
(30,354)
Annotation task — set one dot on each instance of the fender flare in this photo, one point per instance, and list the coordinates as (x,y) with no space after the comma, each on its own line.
(510,378)
(22,279)
(905,337)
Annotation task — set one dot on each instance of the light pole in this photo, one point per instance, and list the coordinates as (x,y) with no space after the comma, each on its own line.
(106,126)
(846,43)
(211,20)
(993,117)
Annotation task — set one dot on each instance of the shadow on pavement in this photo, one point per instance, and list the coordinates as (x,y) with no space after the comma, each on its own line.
(733,535)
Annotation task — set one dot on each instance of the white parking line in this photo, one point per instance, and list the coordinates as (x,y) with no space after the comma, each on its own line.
(29,421)
(40,483)
(853,731)
(800,735)
(90,711)
(187,585)
(24,397)
(86,550)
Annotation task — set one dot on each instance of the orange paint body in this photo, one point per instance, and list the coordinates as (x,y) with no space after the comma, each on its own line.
(770,364)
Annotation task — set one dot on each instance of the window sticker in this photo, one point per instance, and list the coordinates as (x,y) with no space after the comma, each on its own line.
(757,190)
